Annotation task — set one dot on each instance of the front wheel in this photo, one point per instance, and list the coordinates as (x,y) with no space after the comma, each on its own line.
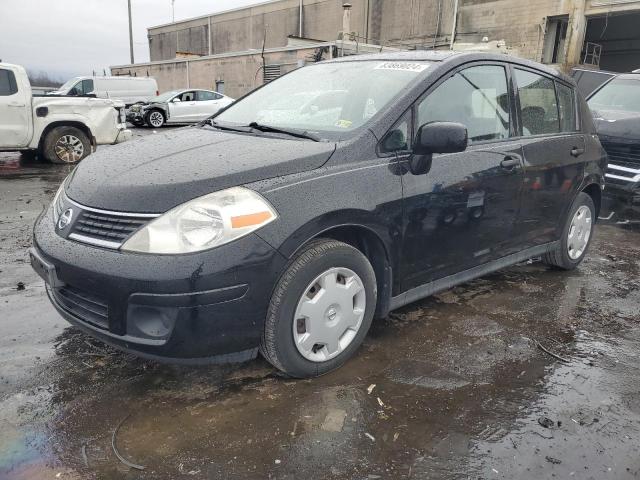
(66,145)
(155,118)
(320,310)
(576,235)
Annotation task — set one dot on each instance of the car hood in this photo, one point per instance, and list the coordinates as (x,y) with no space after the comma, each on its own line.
(617,125)
(158,172)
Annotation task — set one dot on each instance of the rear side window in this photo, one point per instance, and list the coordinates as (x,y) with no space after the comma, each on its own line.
(8,85)
(538,105)
(203,96)
(567,106)
(476,97)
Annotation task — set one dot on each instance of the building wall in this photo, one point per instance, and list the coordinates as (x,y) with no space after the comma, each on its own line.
(241,73)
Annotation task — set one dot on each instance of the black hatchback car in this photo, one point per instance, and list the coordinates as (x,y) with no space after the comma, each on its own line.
(386,178)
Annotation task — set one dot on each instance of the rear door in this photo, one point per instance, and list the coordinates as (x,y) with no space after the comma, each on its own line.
(207,103)
(15,110)
(461,213)
(553,147)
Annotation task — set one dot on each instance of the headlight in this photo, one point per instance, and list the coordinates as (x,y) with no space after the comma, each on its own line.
(204,223)
(57,202)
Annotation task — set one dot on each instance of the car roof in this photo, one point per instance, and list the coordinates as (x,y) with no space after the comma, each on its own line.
(448,56)
(629,76)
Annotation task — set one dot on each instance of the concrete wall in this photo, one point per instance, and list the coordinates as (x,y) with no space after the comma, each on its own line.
(244,29)
(241,73)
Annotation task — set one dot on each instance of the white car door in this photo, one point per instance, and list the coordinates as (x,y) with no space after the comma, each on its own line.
(15,106)
(183,108)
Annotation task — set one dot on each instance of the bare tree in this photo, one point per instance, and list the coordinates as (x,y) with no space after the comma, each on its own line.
(43,79)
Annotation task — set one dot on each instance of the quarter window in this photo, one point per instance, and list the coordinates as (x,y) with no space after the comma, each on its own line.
(398,138)
(538,105)
(477,97)
(567,105)
(8,85)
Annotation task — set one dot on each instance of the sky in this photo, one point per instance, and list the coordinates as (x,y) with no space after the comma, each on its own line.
(66,38)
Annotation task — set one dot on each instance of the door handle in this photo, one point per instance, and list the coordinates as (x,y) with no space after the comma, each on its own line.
(15,104)
(509,162)
(576,152)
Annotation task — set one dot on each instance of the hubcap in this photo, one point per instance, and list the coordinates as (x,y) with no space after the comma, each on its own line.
(156,119)
(69,148)
(579,233)
(329,314)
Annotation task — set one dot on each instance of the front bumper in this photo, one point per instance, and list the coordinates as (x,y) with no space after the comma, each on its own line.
(194,308)
(623,199)
(124,134)
(135,117)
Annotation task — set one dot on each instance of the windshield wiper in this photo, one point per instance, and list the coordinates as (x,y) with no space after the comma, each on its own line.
(215,124)
(291,133)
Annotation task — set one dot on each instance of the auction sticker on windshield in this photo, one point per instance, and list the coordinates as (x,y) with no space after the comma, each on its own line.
(404,66)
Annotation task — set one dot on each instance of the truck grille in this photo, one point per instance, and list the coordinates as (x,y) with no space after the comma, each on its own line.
(624,162)
(86,306)
(623,154)
(105,229)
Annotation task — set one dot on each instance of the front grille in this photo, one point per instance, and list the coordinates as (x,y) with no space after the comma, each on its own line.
(624,162)
(623,154)
(86,306)
(105,229)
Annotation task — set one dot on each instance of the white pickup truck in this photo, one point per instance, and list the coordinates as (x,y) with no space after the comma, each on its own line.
(59,129)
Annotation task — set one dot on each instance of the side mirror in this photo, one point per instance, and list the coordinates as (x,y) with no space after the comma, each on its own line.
(441,137)
(73,92)
(176,100)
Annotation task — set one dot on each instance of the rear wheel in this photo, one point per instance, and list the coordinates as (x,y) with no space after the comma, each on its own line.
(576,235)
(66,145)
(320,310)
(155,118)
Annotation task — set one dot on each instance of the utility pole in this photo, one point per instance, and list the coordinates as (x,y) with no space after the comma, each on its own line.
(130,33)
(173,11)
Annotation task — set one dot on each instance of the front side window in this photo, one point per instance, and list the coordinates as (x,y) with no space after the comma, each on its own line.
(622,94)
(87,87)
(8,85)
(188,96)
(538,105)
(477,97)
(567,107)
(327,97)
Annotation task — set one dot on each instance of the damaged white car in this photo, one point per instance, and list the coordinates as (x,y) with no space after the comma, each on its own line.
(59,129)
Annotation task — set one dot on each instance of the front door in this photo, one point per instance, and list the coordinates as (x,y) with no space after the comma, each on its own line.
(184,110)
(553,146)
(15,119)
(462,212)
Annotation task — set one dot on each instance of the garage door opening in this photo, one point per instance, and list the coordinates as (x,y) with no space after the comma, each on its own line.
(612,42)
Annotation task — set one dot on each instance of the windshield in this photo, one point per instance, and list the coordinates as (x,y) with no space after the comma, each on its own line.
(68,84)
(619,94)
(327,97)
(166,96)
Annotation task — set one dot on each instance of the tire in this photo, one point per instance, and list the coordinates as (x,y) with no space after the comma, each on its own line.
(570,254)
(282,330)
(66,145)
(155,118)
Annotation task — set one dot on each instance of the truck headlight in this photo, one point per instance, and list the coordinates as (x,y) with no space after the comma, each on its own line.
(203,223)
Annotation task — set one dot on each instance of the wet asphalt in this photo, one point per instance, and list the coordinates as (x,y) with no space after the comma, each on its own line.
(452,387)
